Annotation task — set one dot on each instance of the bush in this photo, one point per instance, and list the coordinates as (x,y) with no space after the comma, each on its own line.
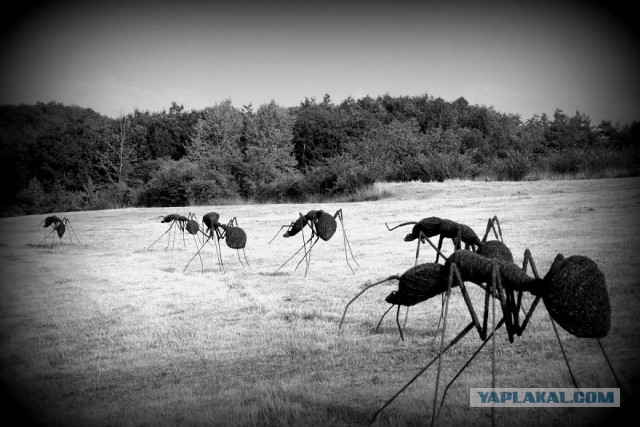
(514,167)
(563,162)
(169,185)
(290,187)
(593,162)
(436,167)
(341,174)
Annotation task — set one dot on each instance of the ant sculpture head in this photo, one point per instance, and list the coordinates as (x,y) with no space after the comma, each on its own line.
(296,227)
(210,219)
(576,296)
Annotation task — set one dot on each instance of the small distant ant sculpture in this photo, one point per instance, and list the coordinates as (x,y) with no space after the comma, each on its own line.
(573,291)
(181,222)
(323,226)
(59,226)
(231,233)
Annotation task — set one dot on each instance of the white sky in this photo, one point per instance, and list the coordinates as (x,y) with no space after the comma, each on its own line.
(522,57)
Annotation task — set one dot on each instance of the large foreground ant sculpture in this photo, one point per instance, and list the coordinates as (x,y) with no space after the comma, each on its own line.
(433,226)
(231,233)
(573,291)
(59,226)
(323,226)
(416,284)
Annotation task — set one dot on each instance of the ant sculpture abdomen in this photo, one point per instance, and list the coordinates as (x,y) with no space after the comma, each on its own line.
(192,226)
(236,237)
(326,225)
(61,229)
(577,298)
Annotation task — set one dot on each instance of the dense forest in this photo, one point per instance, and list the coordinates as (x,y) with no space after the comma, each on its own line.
(62,158)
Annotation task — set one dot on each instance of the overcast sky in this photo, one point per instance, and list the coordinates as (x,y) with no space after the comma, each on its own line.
(522,57)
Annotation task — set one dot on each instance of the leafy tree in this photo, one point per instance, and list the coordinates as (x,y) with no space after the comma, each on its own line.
(318,133)
(215,145)
(268,156)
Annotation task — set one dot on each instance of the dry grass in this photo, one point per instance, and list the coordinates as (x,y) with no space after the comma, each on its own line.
(110,333)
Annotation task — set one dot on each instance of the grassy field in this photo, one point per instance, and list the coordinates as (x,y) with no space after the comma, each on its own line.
(108,332)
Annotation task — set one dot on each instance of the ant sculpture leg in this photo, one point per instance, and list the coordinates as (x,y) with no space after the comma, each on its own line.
(439,253)
(181,226)
(307,253)
(441,351)
(455,278)
(425,238)
(304,245)
(177,226)
(303,241)
(491,225)
(219,236)
(168,230)
(394,277)
(346,243)
(68,223)
(397,319)
(215,237)
(384,314)
(46,236)
(205,239)
(245,258)
(279,230)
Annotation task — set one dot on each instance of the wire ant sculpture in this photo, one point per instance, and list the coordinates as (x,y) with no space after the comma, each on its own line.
(323,226)
(573,291)
(458,233)
(234,236)
(416,284)
(59,226)
(489,249)
(181,223)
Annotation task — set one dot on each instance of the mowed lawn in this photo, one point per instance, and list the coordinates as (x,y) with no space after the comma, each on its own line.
(110,332)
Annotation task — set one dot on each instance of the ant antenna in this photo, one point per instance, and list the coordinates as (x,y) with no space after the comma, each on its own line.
(401,225)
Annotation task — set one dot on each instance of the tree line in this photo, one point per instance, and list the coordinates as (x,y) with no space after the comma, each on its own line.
(60,158)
